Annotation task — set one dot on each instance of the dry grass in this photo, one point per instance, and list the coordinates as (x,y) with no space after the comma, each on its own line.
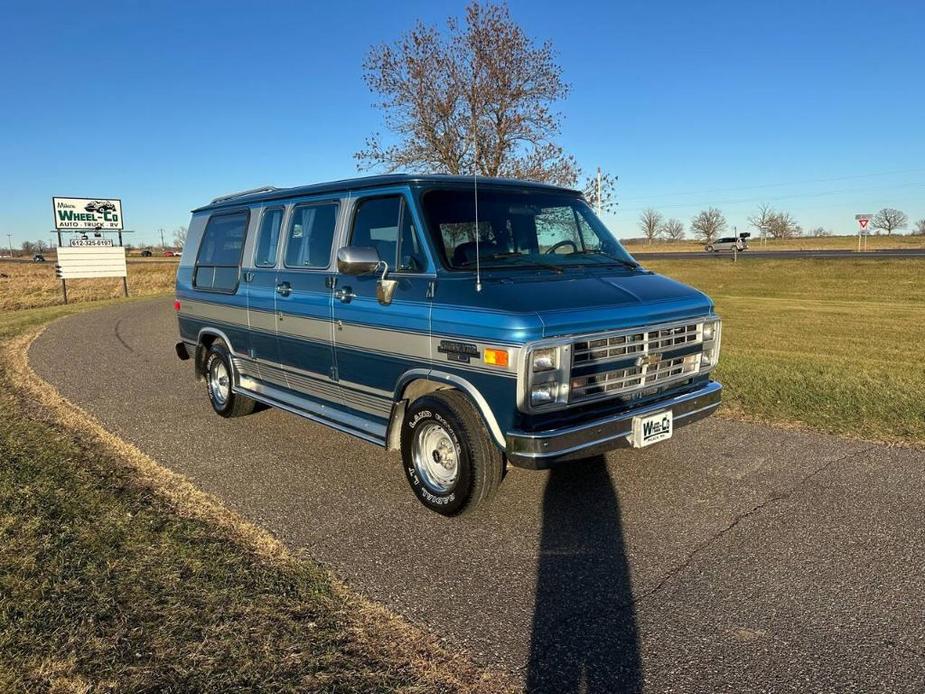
(31,285)
(834,345)
(808,243)
(117,574)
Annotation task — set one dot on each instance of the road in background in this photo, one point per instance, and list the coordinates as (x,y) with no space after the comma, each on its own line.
(733,557)
(780,255)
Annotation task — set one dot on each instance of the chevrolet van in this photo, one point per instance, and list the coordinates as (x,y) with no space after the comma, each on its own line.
(469,324)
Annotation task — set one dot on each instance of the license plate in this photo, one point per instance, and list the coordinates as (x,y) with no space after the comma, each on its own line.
(652,429)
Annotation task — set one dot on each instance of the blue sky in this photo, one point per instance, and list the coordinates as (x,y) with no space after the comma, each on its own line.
(815,107)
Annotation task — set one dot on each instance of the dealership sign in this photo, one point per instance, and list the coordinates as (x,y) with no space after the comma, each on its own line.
(80,214)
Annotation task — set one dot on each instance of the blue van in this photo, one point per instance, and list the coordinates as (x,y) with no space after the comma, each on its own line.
(468,324)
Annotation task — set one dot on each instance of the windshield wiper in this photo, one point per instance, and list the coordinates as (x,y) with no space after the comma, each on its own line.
(631,264)
(518,257)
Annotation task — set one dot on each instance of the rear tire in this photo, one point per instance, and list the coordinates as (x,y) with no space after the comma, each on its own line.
(220,382)
(450,462)
(709,249)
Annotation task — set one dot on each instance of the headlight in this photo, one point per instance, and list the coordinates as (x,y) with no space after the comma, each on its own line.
(543,393)
(712,331)
(544,359)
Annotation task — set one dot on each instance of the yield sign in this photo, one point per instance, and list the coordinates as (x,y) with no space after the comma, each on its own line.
(863,223)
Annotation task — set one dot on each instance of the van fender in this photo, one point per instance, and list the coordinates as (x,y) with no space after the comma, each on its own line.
(199,361)
(477,399)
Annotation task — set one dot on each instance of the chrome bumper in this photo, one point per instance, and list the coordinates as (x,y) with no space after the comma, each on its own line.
(540,450)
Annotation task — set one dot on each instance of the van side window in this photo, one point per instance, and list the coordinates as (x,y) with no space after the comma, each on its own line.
(386,225)
(268,238)
(219,259)
(311,234)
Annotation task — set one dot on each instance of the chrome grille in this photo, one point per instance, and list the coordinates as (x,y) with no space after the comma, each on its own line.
(604,349)
(641,364)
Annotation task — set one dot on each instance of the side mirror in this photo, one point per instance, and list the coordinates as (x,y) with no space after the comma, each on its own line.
(357,260)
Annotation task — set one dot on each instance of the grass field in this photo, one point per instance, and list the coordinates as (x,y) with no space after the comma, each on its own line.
(807,243)
(116,575)
(32,285)
(835,345)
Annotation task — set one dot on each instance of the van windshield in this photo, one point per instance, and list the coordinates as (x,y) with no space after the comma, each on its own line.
(519,229)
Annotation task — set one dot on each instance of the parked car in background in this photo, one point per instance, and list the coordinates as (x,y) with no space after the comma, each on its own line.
(146,253)
(171,254)
(370,306)
(728,243)
(38,258)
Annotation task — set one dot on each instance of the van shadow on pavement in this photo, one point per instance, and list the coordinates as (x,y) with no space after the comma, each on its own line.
(584,623)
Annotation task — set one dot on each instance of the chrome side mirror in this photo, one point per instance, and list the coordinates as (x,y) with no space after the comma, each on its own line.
(357,260)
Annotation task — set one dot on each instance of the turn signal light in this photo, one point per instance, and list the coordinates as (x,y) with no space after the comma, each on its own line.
(496,357)
(176,305)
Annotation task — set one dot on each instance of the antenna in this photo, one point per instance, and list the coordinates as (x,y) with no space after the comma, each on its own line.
(475,170)
(475,189)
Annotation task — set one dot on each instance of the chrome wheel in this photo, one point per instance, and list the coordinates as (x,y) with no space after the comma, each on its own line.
(219,382)
(436,458)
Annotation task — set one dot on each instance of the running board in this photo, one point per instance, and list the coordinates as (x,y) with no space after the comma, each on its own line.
(315,411)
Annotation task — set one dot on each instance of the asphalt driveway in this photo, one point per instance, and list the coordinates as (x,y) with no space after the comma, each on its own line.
(734,557)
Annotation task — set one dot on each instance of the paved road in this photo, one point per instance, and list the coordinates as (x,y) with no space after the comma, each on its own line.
(756,252)
(732,558)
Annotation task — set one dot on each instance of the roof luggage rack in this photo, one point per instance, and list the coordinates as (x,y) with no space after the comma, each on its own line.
(241,194)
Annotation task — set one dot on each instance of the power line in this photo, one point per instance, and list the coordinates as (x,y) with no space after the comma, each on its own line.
(775,185)
(754,200)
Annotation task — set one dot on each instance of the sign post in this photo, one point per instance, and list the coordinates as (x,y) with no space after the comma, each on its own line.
(863,228)
(88,256)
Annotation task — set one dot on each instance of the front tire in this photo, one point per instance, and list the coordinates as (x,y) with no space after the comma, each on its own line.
(220,381)
(709,249)
(449,460)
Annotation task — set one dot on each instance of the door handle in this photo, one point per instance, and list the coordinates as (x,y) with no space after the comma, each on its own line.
(284,289)
(346,295)
(248,276)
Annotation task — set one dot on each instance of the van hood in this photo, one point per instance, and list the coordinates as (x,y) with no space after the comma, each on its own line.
(567,305)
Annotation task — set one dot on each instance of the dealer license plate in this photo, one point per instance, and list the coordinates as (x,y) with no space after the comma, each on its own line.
(652,428)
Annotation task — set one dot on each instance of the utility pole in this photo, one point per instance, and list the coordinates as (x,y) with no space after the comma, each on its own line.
(10,239)
(600,204)
(163,245)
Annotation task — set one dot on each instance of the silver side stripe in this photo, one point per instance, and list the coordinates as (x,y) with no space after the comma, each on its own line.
(420,347)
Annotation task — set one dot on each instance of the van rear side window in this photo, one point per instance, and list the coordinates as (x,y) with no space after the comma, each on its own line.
(219,259)
(268,238)
(311,234)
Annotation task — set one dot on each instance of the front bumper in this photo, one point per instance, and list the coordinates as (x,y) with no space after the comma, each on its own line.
(541,450)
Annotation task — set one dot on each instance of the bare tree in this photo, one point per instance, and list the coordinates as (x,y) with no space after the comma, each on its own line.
(41,246)
(889,219)
(819,231)
(28,247)
(778,225)
(673,230)
(179,237)
(708,224)
(476,98)
(919,228)
(782,225)
(650,221)
(761,220)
